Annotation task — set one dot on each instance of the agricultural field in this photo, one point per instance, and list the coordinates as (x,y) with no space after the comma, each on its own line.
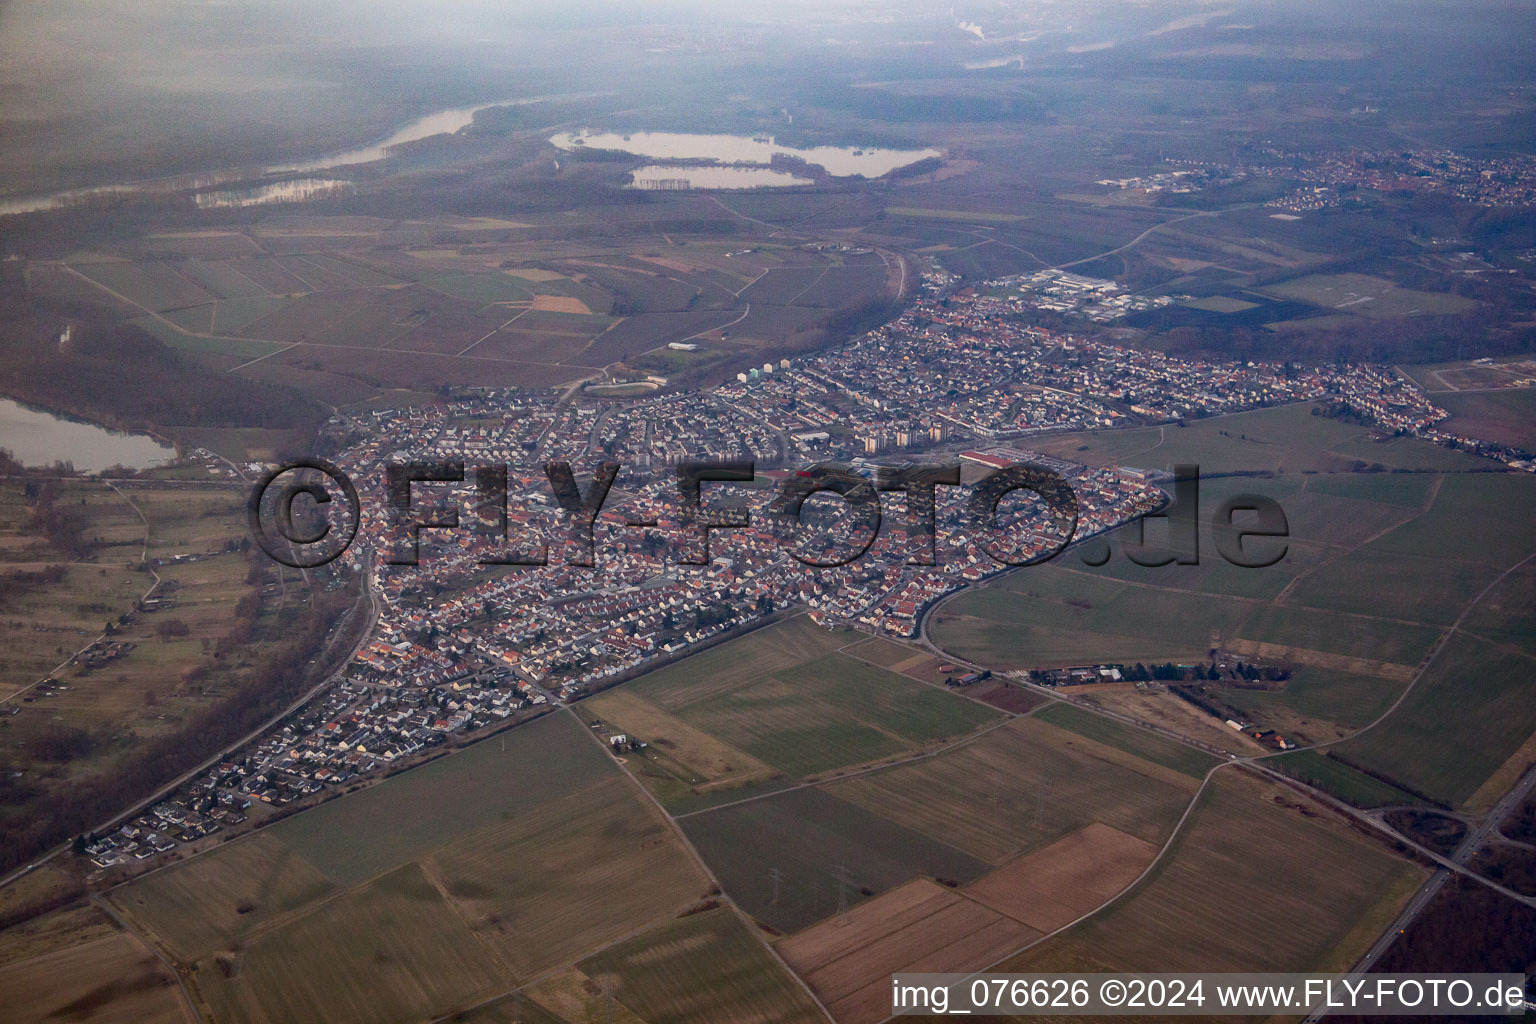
(1331,775)
(832,713)
(690,755)
(1252,855)
(1506,417)
(791,859)
(895,656)
(1378,566)
(342,960)
(545,886)
(214,900)
(1493,375)
(443,801)
(826,851)
(1176,756)
(1505,613)
(344,307)
(1041,782)
(1317,700)
(1054,886)
(36,930)
(110,980)
(700,969)
(1283,440)
(920,926)
(485,868)
(780,703)
(1469,713)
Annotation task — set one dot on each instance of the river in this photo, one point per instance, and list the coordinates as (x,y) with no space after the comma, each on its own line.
(443,122)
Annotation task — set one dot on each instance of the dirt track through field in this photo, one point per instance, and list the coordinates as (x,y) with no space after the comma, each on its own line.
(919,926)
(1063,881)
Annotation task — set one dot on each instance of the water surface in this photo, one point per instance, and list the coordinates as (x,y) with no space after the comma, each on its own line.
(35,437)
(839,161)
(296,191)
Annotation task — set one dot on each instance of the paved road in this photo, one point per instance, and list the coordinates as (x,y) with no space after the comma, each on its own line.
(1474,840)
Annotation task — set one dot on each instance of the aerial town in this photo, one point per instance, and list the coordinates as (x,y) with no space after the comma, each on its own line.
(1331,177)
(509,616)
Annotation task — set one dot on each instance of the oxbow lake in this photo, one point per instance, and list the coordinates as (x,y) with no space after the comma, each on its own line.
(39,438)
(839,161)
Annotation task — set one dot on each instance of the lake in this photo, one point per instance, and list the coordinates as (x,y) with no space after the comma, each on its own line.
(839,161)
(38,438)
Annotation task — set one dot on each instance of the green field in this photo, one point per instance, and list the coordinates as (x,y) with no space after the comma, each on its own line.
(545,885)
(480,871)
(1334,776)
(211,901)
(833,712)
(974,216)
(1001,628)
(1180,758)
(450,798)
(1221,304)
(191,342)
(1507,416)
(807,836)
(783,697)
(1506,614)
(700,969)
(1378,565)
(1024,785)
(482,287)
(1315,694)
(1368,296)
(393,950)
(1284,439)
(1470,712)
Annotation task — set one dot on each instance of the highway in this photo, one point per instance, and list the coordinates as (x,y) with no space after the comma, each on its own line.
(1474,840)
